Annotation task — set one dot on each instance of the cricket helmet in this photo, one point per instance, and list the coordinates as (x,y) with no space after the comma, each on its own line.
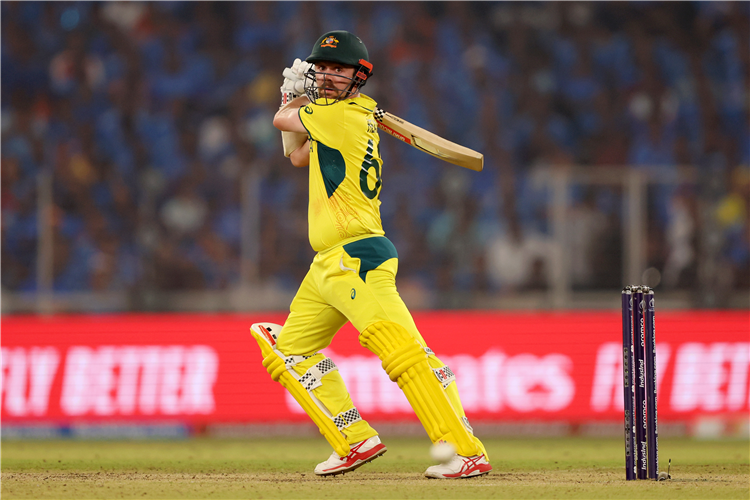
(344,48)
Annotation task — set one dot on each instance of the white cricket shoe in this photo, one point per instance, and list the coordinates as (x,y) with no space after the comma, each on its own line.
(460,467)
(361,453)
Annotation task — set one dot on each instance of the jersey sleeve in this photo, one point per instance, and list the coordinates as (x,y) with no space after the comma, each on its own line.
(325,124)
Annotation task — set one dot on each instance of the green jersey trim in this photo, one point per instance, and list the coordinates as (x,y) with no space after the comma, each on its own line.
(371,252)
(332,167)
(358,104)
(303,122)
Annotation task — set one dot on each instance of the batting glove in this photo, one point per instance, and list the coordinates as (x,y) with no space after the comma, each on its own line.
(287,91)
(294,80)
(297,72)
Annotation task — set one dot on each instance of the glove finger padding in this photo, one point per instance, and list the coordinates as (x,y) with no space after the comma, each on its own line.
(302,69)
(288,85)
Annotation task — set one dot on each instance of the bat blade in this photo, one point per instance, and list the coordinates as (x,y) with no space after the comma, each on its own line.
(411,134)
(428,142)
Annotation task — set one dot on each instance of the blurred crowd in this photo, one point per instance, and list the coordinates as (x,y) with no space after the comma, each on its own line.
(149,117)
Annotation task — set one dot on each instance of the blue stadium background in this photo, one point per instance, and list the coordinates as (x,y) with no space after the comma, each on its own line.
(147,116)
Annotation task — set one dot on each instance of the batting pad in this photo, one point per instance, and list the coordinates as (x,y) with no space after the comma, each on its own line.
(406,362)
(279,367)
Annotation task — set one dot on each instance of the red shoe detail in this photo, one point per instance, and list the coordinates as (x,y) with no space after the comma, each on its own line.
(471,467)
(355,459)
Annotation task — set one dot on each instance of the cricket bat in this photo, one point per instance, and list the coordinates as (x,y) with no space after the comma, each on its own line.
(428,142)
(411,134)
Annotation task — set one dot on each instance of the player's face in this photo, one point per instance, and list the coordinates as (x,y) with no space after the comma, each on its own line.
(333,79)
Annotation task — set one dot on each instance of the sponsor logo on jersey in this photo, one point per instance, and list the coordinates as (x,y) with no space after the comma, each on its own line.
(329,41)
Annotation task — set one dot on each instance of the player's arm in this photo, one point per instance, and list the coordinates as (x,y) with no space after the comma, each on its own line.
(301,156)
(287,118)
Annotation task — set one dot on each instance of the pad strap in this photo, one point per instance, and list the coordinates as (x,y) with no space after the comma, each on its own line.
(444,375)
(290,361)
(312,377)
(467,425)
(346,418)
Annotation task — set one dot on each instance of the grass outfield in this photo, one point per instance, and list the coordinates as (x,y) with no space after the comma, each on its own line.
(282,468)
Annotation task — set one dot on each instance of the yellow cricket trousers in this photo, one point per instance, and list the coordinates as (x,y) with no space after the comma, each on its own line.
(353,282)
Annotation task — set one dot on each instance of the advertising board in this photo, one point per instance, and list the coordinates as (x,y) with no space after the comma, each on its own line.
(515,366)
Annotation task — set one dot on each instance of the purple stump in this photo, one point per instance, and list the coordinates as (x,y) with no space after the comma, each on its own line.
(639,345)
(652,435)
(627,380)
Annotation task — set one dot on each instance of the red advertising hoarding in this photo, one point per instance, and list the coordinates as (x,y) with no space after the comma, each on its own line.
(509,366)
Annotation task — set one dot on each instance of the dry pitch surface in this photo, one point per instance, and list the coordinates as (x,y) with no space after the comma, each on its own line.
(282,468)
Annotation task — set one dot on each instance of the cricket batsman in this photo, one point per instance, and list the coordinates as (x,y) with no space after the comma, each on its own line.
(353,275)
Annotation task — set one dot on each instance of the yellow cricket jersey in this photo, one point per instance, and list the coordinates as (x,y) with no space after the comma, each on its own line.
(345,168)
